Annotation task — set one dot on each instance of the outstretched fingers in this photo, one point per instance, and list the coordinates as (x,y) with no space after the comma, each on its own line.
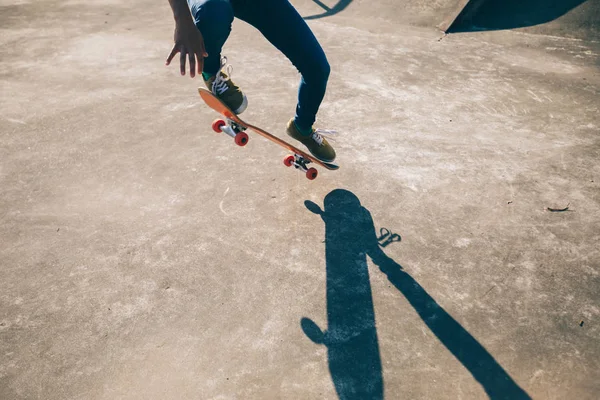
(171,55)
(192,58)
(201,54)
(194,54)
(182,56)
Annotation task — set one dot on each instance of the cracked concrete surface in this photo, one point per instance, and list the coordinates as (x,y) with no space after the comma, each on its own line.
(143,256)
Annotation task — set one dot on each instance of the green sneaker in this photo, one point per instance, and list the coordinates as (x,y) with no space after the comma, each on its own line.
(316,144)
(222,87)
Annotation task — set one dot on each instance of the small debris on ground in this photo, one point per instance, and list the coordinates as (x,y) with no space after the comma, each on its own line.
(559,209)
(581,323)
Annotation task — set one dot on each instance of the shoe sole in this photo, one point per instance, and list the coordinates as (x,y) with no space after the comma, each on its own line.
(310,151)
(321,159)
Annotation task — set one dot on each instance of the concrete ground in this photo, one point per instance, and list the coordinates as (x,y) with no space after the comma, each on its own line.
(143,256)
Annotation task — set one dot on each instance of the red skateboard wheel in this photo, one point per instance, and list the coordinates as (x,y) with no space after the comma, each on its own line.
(289,161)
(217,125)
(311,173)
(241,139)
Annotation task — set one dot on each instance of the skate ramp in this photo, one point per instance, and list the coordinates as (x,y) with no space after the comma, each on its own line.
(577,19)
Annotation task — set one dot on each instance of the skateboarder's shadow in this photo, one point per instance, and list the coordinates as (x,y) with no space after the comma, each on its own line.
(351,337)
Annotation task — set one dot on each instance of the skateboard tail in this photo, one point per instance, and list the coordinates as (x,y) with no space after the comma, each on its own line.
(213,102)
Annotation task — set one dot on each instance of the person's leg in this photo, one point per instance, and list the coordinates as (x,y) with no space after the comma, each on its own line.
(283,26)
(214,19)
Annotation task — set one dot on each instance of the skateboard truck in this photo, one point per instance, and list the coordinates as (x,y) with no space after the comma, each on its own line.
(300,163)
(231,129)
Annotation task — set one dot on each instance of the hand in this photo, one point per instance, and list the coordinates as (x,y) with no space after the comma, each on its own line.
(190,44)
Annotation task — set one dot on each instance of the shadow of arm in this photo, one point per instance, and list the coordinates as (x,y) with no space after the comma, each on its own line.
(480,363)
(340,6)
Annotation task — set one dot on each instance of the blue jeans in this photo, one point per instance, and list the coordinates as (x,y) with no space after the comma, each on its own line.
(280,24)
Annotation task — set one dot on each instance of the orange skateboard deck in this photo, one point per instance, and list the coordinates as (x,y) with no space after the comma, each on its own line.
(235,127)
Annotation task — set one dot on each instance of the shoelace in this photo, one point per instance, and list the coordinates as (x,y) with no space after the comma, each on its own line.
(318,133)
(219,85)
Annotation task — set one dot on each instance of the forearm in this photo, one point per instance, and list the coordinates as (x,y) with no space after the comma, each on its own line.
(181,11)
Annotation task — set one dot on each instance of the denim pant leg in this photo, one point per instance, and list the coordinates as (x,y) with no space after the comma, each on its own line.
(283,26)
(213,18)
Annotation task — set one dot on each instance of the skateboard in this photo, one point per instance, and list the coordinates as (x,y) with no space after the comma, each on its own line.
(235,127)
